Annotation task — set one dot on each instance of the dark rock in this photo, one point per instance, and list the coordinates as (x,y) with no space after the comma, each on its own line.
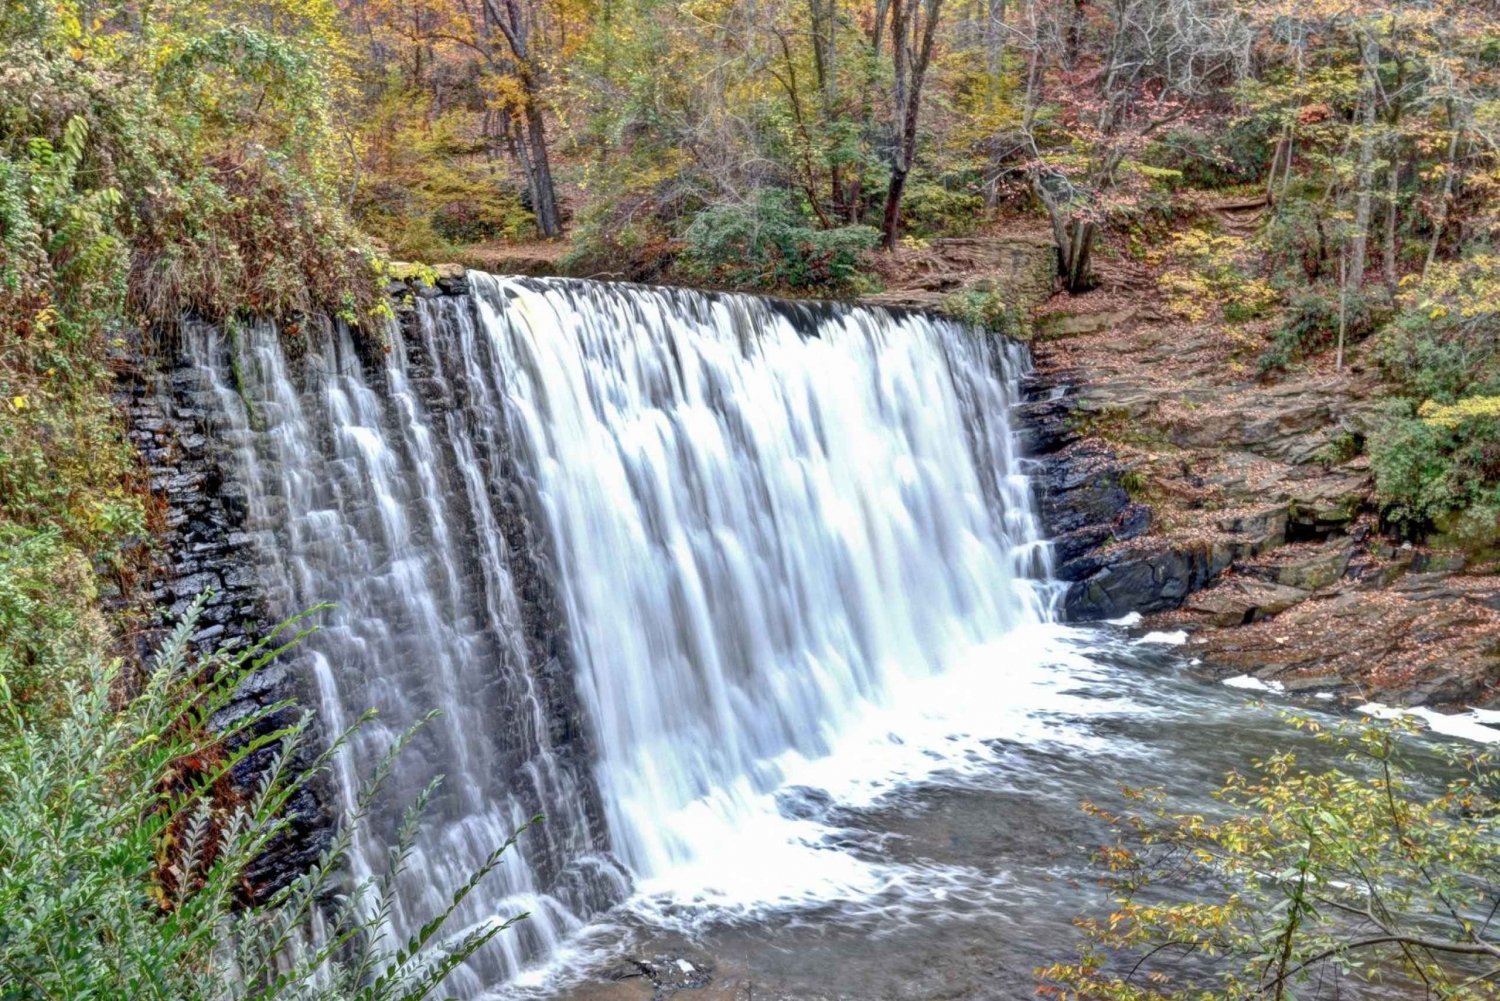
(201,545)
(1320,569)
(1155,577)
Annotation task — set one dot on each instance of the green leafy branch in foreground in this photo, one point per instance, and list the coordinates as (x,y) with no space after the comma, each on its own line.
(1311,882)
(125,852)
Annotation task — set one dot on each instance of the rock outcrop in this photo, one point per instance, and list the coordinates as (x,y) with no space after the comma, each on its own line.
(1174,484)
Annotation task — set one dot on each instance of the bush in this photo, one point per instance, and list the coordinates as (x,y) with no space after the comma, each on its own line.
(1308,878)
(987,308)
(1216,155)
(932,209)
(430,188)
(1440,465)
(1205,269)
(47,622)
(171,189)
(654,193)
(1310,324)
(768,244)
(124,851)
(1445,343)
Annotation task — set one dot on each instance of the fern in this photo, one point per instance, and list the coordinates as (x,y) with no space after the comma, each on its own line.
(123,868)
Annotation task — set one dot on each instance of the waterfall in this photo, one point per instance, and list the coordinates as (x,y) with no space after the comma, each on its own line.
(363,489)
(647,551)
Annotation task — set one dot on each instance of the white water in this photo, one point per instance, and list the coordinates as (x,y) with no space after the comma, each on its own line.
(790,546)
(769,524)
(357,496)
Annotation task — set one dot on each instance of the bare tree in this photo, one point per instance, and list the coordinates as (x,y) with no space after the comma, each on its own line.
(1156,57)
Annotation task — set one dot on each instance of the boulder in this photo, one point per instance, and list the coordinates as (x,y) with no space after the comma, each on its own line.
(1057,326)
(1258,530)
(1330,501)
(1150,576)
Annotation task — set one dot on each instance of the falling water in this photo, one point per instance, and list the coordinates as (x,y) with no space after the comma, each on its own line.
(647,551)
(765,517)
(362,494)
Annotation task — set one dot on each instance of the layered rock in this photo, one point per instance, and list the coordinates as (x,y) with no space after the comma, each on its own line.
(1259,532)
(201,549)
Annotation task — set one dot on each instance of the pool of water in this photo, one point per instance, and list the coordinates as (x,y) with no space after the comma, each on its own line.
(940,851)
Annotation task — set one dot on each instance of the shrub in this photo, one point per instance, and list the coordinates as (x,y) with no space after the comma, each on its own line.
(931,209)
(768,244)
(1440,464)
(988,308)
(1306,878)
(123,855)
(654,193)
(1215,154)
(1445,343)
(1310,324)
(430,188)
(1205,268)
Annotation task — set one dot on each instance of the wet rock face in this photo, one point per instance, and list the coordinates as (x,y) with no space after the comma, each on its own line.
(1088,514)
(201,547)
(530,559)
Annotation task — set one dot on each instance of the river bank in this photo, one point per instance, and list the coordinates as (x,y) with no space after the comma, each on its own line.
(1241,510)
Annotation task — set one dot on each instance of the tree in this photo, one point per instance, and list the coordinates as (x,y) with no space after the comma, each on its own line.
(914,25)
(1315,877)
(517,21)
(1152,62)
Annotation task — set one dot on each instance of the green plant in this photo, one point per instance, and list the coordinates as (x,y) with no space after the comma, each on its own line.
(932,209)
(988,308)
(1433,463)
(125,848)
(47,622)
(1443,344)
(768,244)
(1305,878)
(1310,324)
(1136,484)
(1205,269)
(1214,158)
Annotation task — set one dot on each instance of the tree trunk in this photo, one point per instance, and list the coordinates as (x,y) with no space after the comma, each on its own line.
(514,22)
(1392,194)
(1441,222)
(544,193)
(1365,174)
(994,37)
(1338,361)
(1079,273)
(908,101)
(891,224)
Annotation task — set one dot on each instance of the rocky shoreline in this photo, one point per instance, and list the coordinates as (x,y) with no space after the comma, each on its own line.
(1178,485)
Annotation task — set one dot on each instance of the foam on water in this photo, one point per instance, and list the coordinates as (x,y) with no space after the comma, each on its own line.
(1479,725)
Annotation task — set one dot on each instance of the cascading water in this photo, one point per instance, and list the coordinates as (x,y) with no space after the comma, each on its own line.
(766,516)
(727,533)
(361,495)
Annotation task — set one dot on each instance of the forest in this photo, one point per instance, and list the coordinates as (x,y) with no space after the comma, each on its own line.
(227,160)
